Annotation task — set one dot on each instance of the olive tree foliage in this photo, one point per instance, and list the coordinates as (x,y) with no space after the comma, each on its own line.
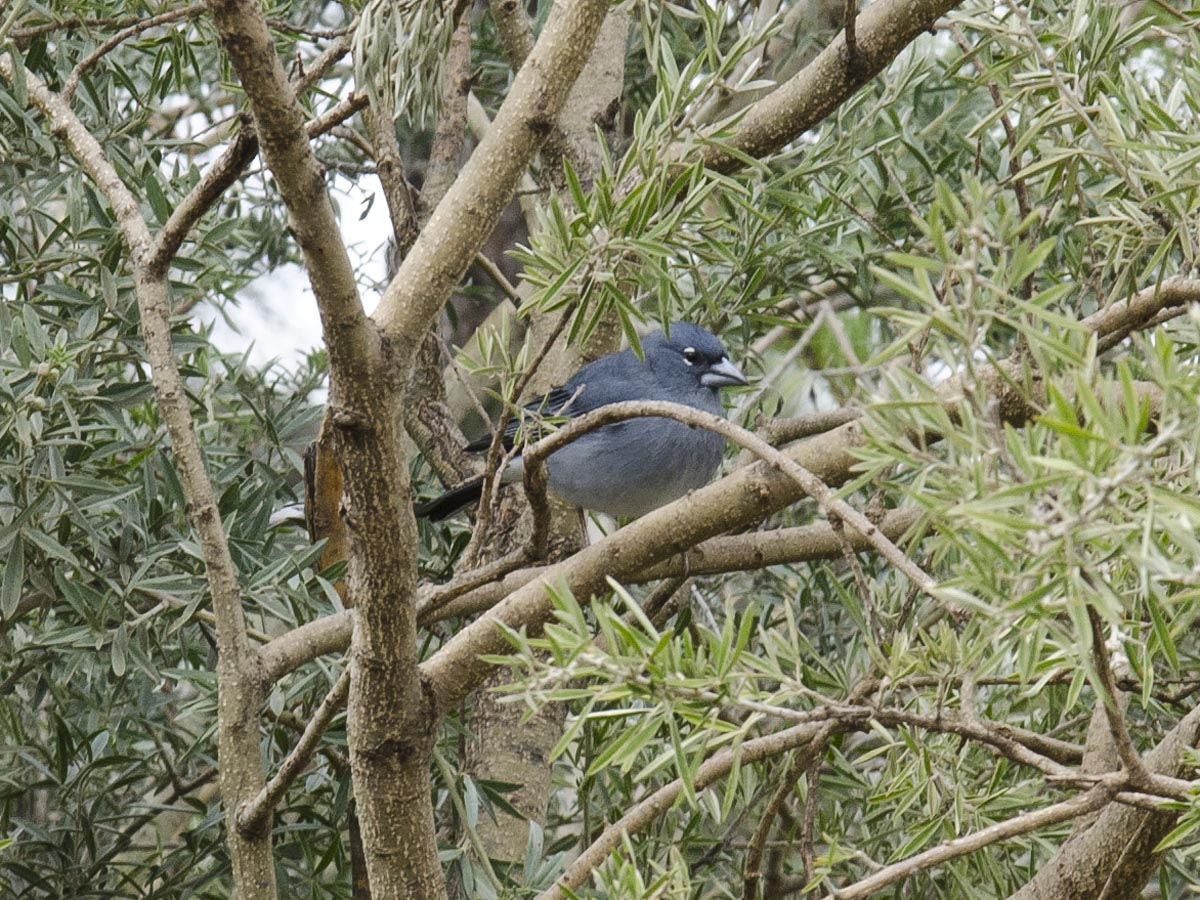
(980,261)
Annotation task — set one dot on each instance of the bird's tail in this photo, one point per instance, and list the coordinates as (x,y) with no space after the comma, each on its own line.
(452,501)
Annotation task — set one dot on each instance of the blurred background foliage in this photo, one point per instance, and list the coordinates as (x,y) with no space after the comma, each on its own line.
(1009,175)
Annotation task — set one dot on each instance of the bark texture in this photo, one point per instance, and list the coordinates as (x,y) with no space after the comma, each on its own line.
(1114,858)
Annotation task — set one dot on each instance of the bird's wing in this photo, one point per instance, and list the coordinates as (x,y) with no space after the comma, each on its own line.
(610,379)
(551,403)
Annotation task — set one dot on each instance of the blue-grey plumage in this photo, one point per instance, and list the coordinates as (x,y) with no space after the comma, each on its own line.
(632,467)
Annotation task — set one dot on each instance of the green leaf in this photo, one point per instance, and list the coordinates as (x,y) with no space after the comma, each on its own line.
(49,545)
(120,646)
(14,578)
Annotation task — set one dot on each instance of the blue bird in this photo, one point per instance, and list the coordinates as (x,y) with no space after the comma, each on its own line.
(627,468)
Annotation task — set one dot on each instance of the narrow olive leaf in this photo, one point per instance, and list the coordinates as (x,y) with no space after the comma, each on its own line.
(118,649)
(1188,827)
(159,203)
(49,546)
(1161,631)
(1032,260)
(14,577)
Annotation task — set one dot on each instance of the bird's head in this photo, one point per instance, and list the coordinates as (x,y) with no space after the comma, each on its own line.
(692,352)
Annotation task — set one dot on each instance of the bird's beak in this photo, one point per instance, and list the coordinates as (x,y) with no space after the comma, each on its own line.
(723,374)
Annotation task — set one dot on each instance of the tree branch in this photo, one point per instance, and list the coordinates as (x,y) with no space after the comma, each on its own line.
(231,163)
(449,136)
(200,199)
(253,814)
(742,552)
(514,29)
(730,553)
(237,684)
(1139,777)
(72,83)
(1116,855)
(1097,797)
(881,31)
(470,209)
(427,416)
(849,35)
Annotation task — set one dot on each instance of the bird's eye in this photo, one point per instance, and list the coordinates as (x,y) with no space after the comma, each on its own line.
(690,355)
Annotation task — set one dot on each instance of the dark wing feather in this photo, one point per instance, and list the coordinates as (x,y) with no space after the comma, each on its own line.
(610,379)
(549,404)
(452,501)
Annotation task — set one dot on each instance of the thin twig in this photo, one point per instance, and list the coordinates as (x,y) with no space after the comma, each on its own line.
(310,33)
(493,468)
(328,58)
(849,16)
(449,134)
(224,172)
(648,809)
(497,276)
(1139,778)
(752,868)
(253,813)
(338,761)
(1097,797)
(784,431)
(22,35)
(72,83)
(808,825)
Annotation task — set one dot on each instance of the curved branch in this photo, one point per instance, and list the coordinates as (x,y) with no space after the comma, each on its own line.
(303,644)
(151,295)
(727,553)
(812,486)
(238,688)
(1123,318)
(1094,799)
(253,814)
(72,83)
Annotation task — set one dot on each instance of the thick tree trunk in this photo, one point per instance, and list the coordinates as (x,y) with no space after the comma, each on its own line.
(501,746)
